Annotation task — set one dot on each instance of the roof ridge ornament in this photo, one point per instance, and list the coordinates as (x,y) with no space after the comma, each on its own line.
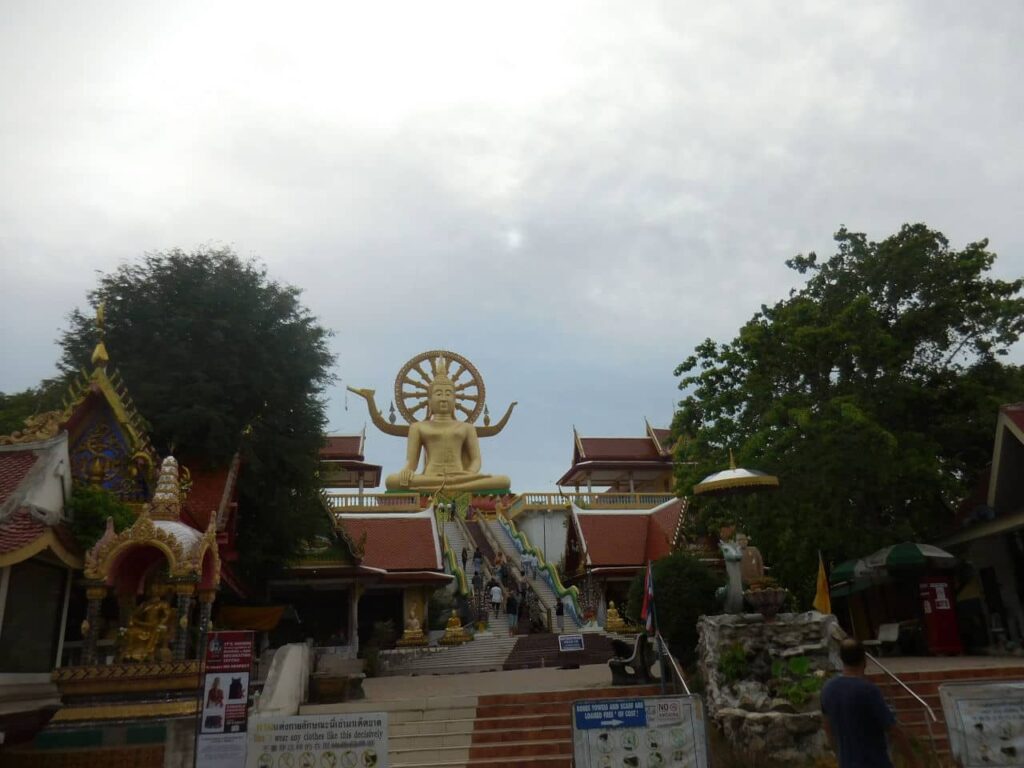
(100,358)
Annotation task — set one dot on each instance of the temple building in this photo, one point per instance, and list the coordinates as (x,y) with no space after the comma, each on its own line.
(992,534)
(38,559)
(606,548)
(621,464)
(343,464)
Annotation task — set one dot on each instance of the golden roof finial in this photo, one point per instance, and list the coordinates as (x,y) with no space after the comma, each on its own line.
(166,501)
(99,354)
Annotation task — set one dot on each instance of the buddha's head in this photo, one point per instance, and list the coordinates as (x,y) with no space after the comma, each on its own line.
(442,391)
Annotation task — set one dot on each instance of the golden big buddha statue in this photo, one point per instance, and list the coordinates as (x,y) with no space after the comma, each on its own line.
(450,446)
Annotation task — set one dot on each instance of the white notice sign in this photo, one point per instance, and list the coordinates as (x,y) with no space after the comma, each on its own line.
(985,723)
(647,732)
(320,741)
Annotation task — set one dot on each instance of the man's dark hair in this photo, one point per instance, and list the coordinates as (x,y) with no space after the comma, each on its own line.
(851,652)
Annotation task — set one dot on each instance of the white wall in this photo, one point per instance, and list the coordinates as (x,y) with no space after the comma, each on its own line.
(545,528)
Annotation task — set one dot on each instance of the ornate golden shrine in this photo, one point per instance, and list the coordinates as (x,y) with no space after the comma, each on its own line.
(163,554)
(440,384)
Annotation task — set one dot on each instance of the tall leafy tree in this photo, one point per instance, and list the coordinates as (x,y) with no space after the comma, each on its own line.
(220,358)
(871,391)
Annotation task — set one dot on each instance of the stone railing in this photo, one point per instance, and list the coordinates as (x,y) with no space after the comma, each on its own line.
(542,501)
(373,502)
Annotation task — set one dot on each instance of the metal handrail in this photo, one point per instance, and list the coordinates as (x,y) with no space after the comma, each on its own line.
(678,672)
(904,686)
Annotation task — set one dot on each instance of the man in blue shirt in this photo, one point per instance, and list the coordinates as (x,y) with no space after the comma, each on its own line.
(857,719)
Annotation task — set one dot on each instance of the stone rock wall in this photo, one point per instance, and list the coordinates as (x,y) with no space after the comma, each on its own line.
(749,704)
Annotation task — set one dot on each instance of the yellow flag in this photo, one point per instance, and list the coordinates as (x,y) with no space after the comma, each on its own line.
(822,601)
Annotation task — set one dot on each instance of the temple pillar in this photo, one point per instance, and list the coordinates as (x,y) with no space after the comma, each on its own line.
(353,616)
(183,596)
(94,595)
(206,598)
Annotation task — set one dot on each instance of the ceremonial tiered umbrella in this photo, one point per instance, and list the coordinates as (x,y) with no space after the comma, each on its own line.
(735,480)
(909,555)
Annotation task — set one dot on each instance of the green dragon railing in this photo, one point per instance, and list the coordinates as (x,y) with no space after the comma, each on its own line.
(551,572)
(454,567)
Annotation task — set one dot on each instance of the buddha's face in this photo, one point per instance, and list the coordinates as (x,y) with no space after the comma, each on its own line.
(442,398)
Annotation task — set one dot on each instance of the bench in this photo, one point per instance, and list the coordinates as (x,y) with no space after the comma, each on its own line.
(632,666)
(888,635)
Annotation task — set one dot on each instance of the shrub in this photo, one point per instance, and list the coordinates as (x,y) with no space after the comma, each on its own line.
(684,590)
(88,511)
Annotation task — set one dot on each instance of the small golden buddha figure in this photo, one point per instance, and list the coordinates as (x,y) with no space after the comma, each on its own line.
(454,633)
(614,622)
(149,630)
(413,634)
(451,448)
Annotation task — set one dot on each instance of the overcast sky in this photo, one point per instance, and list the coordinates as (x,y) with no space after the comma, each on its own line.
(572,195)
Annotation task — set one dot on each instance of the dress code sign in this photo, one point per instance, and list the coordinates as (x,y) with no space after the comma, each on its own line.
(650,732)
(224,707)
(320,741)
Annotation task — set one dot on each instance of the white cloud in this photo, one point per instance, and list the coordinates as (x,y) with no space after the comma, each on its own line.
(571,193)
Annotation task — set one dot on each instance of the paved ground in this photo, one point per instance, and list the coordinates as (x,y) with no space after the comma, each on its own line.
(483,683)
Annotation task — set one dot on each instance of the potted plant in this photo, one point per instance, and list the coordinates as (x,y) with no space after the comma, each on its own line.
(766,597)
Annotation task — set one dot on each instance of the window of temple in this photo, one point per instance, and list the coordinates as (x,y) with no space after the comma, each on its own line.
(31,617)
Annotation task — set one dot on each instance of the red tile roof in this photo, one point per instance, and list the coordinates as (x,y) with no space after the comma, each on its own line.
(1015,413)
(629,538)
(19,529)
(396,542)
(14,467)
(342,447)
(612,539)
(204,497)
(635,448)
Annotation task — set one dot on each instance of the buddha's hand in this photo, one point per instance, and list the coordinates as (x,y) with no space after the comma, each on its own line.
(405,477)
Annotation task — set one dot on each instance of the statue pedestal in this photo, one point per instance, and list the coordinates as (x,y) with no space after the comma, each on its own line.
(454,633)
(765,697)
(412,638)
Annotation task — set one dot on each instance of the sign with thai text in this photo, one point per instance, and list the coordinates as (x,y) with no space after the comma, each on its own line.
(985,723)
(570,642)
(224,706)
(357,740)
(649,732)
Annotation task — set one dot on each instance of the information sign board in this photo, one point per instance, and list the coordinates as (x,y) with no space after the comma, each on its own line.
(985,723)
(358,740)
(648,732)
(224,707)
(570,642)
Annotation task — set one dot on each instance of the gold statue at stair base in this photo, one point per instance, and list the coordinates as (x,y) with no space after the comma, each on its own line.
(454,632)
(615,623)
(413,634)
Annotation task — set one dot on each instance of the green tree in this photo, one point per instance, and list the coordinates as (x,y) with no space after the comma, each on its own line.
(89,509)
(871,391)
(219,358)
(684,590)
(18,406)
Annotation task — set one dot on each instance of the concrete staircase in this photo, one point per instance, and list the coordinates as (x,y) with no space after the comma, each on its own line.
(541,650)
(497,731)
(544,592)
(926,685)
(481,655)
(457,540)
(513,730)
